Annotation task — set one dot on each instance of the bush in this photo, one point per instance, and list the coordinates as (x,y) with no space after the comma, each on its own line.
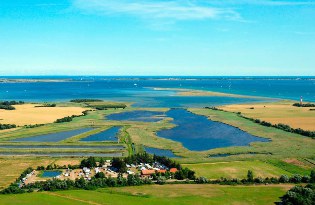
(161,180)
(64,119)
(201,180)
(119,164)
(312,176)
(250,176)
(284,179)
(299,195)
(296,178)
(7,126)
(89,162)
(99,175)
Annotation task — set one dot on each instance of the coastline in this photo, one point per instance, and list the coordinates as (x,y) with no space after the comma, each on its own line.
(193,92)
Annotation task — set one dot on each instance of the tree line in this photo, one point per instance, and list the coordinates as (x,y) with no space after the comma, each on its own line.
(85,100)
(304,105)
(70,118)
(7,126)
(7,105)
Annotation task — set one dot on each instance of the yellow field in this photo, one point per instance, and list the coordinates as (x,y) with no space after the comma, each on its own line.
(28,114)
(11,167)
(278,112)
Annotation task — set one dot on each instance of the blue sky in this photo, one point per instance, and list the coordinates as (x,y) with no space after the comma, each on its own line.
(157,37)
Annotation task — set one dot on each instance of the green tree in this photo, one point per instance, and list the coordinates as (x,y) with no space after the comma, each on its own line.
(312,180)
(250,176)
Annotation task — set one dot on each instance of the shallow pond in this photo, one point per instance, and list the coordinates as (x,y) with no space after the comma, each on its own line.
(48,174)
(106,135)
(53,137)
(137,115)
(160,152)
(59,147)
(197,133)
(62,154)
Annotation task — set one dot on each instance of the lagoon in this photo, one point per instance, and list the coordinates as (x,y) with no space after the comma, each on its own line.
(198,133)
(106,135)
(160,152)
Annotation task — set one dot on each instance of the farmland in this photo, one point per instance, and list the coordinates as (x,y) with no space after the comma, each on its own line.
(30,114)
(277,112)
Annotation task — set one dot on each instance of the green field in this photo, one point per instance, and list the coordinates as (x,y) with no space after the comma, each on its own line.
(236,169)
(156,194)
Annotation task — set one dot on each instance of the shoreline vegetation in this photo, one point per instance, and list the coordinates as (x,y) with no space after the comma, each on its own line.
(193,92)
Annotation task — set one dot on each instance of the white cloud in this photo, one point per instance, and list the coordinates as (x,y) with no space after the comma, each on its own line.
(149,9)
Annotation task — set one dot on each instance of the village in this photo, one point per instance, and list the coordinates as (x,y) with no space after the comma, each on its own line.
(144,170)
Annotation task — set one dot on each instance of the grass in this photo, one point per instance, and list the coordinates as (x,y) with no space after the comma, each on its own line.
(236,169)
(155,194)
(277,112)
(290,167)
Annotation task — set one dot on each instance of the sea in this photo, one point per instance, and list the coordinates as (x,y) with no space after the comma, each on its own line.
(140,89)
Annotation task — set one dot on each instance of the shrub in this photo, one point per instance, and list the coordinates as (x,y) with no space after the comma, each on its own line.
(284,179)
(201,180)
(299,195)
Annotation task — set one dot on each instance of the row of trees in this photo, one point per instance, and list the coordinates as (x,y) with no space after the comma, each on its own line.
(85,100)
(258,180)
(54,167)
(7,105)
(109,106)
(70,118)
(47,105)
(304,105)
(98,181)
(7,126)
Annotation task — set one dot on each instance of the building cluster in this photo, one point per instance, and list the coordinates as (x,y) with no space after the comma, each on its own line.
(147,170)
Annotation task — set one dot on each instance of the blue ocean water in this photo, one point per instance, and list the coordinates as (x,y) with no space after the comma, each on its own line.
(139,89)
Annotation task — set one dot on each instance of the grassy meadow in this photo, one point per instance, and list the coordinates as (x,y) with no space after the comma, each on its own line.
(157,194)
(236,169)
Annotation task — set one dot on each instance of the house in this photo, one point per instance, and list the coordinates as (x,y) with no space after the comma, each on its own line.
(130,172)
(173,170)
(162,171)
(147,172)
